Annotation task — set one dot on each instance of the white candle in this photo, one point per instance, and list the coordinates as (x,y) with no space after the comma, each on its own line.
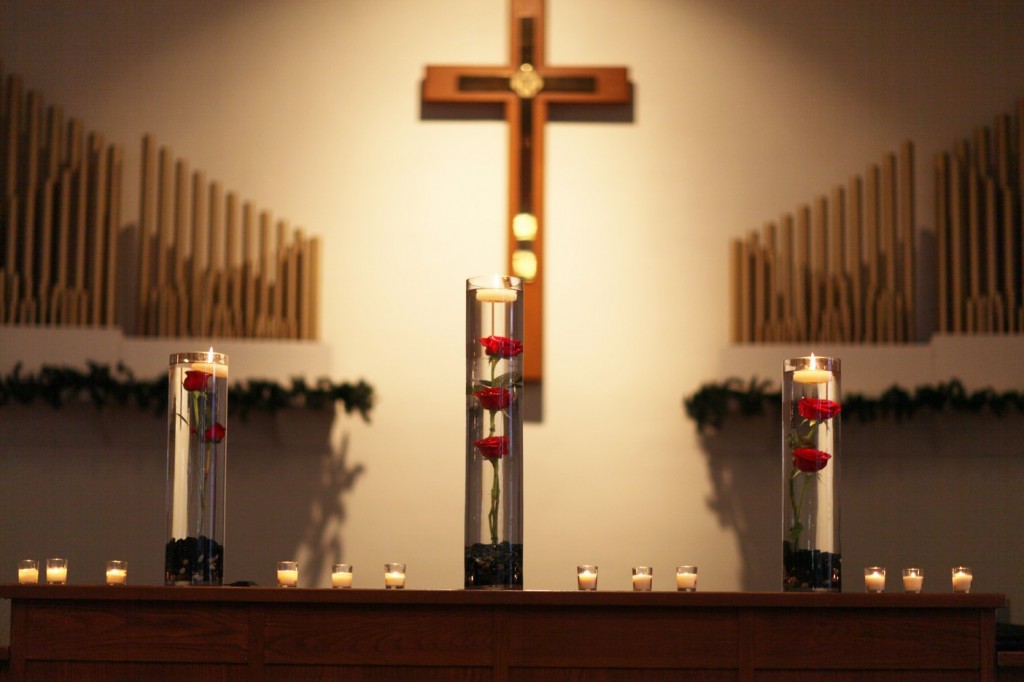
(812,375)
(217,369)
(587,580)
(497,295)
(962,580)
(288,577)
(28,576)
(686,581)
(343,579)
(643,583)
(875,582)
(394,580)
(913,583)
(116,576)
(57,574)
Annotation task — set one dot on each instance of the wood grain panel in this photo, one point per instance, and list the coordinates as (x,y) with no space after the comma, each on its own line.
(634,638)
(618,675)
(865,676)
(950,643)
(371,635)
(148,672)
(390,673)
(858,640)
(138,632)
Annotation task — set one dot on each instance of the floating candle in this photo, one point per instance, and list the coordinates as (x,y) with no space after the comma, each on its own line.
(497,295)
(812,375)
(211,365)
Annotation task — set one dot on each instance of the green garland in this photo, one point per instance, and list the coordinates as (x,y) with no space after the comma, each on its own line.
(713,402)
(58,386)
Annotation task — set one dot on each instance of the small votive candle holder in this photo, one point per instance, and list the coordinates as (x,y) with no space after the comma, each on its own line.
(874,579)
(962,579)
(287,574)
(117,572)
(686,578)
(28,572)
(913,580)
(341,576)
(394,576)
(643,578)
(56,571)
(586,577)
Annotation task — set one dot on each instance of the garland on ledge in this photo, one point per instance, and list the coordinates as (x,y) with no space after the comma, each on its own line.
(61,385)
(713,402)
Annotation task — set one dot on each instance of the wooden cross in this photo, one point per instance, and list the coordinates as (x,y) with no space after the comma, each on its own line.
(524,89)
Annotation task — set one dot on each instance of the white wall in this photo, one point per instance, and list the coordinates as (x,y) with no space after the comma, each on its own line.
(743,110)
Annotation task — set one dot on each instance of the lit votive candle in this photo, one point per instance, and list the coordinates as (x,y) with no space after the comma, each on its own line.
(497,295)
(56,571)
(287,574)
(874,579)
(686,578)
(394,576)
(913,580)
(586,577)
(962,578)
(812,375)
(643,578)
(341,575)
(117,572)
(28,572)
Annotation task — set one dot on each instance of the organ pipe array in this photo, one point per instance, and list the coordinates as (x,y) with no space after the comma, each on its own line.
(839,270)
(209,263)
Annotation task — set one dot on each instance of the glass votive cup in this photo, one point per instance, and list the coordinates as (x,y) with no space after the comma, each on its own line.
(586,577)
(686,578)
(28,572)
(962,579)
(287,574)
(341,575)
(643,578)
(874,579)
(56,571)
(394,576)
(117,572)
(913,580)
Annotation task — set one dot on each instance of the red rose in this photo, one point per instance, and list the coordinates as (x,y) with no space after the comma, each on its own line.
(810,460)
(818,408)
(215,433)
(502,346)
(197,380)
(494,398)
(492,447)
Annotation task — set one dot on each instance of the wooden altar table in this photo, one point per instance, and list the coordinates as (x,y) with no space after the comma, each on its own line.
(249,633)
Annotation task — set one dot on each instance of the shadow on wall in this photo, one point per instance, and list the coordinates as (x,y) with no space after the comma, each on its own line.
(935,491)
(89,485)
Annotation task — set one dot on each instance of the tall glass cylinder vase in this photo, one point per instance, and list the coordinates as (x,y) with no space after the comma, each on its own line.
(811,405)
(197,421)
(494,433)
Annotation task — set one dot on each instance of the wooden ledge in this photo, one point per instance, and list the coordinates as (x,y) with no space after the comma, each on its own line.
(603,598)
